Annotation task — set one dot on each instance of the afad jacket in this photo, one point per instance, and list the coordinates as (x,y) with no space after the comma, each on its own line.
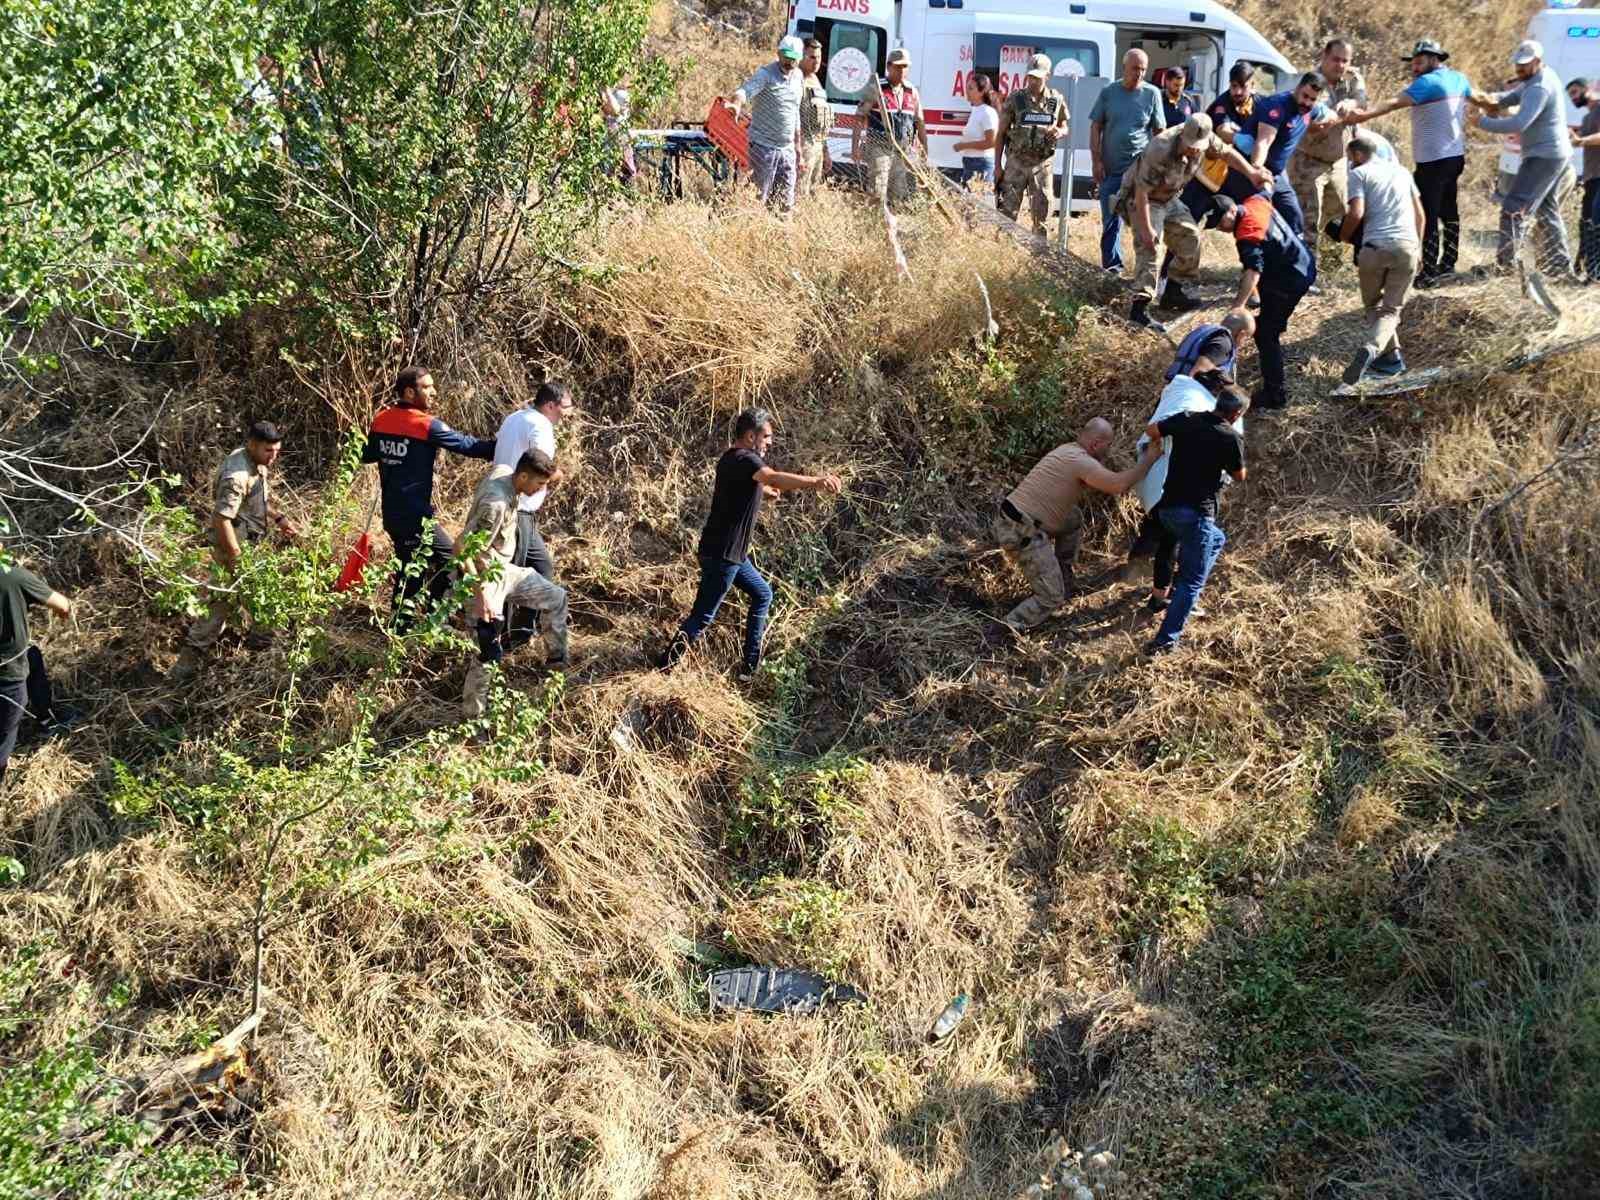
(404,442)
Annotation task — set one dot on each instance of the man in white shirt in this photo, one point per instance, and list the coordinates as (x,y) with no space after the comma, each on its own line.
(531,428)
(1386,207)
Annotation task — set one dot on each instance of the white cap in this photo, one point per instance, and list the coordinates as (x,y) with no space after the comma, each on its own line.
(792,47)
(1526,52)
(1039,66)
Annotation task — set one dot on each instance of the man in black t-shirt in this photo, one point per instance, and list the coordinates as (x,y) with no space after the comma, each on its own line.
(1203,449)
(24,686)
(743,479)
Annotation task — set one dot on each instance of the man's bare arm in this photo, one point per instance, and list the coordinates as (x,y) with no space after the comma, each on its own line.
(58,604)
(1377,110)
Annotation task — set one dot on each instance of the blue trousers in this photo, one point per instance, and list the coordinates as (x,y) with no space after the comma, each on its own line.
(1589,230)
(717,575)
(1110,223)
(1287,203)
(1200,541)
(976,167)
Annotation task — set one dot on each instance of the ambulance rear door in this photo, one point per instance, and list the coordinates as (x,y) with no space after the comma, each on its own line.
(1081,54)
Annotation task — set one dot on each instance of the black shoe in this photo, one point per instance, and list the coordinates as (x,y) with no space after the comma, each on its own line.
(673,654)
(1156,605)
(1358,365)
(558,662)
(61,719)
(1175,299)
(747,672)
(1266,400)
(1156,649)
(1139,315)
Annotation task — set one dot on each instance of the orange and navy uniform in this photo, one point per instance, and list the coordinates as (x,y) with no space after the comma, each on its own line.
(1268,245)
(404,443)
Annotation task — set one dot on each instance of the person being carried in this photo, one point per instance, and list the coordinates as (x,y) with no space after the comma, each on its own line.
(242,511)
(1040,526)
(24,683)
(531,428)
(1386,208)
(1278,261)
(405,439)
(774,94)
(890,115)
(743,480)
(1205,447)
(1151,199)
(501,583)
(1032,120)
(1213,347)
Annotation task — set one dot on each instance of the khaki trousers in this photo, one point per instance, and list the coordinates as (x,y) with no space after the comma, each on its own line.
(1323,189)
(525,588)
(887,177)
(1175,229)
(810,166)
(1030,177)
(1386,274)
(1046,563)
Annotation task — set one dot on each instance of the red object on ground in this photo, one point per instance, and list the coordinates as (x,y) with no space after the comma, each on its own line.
(728,134)
(355,564)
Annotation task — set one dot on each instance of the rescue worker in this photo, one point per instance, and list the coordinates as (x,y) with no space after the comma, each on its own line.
(531,428)
(494,512)
(1213,347)
(774,94)
(1437,97)
(1235,106)
(404,441)
(1317,166)
(1040,526)
(1176,107)
(1033,119)
(1277,260)
(816,118)
(1387,209)
(24,684)
(1125,116)
(1278,123)
(891,116)
(241,511)
(743,481)
(1150,199)
(1538,116)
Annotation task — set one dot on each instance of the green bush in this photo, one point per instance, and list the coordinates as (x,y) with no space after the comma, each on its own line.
(786,815)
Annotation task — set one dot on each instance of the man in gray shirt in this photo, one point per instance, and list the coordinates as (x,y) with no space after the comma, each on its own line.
(1386,208)
(1541,122)
(1587,139)
(1124,117)
(774,94)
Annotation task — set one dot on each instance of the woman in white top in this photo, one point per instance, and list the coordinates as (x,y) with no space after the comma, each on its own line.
(977,145)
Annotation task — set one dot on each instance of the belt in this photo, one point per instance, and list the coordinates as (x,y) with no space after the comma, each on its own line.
(1010,510)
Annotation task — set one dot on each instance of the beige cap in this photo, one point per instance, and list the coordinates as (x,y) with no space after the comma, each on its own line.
(1196,131)
(900,57)
(1039,66)
(1526,52)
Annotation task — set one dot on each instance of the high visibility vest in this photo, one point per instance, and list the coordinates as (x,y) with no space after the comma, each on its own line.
(903,106)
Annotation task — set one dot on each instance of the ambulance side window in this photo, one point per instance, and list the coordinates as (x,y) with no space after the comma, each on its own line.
(866,41)
(1004,58)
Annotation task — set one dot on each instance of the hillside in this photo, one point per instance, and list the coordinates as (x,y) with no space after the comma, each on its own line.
(1308,910)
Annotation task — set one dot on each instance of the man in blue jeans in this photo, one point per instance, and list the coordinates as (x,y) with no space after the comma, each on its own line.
(1204,448)
(743,479)
(1125,116)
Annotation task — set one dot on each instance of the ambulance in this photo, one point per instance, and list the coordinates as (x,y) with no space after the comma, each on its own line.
(1571,41)
(1085,41)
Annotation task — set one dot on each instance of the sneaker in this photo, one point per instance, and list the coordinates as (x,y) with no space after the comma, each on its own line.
(1139,315)
(558,662)
(1359,362)
(1314,290)
(1388,364)
(1253,304)
(747,672)
(1175,299)
(1427,280)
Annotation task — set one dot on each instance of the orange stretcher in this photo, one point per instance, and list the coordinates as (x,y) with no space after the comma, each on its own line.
(728,134)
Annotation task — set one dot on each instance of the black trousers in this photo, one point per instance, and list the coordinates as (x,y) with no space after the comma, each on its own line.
(432,574)
(1441,231)
(1589,231)
(1276,309)
(23,697)
(1155,541)
(523,623)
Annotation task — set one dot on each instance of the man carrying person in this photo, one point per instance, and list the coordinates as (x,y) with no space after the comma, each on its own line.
(1278,123)
(1213,347)
(773,94)
(404,441)
(1150,198)
(1317,167)
(1032,120)
(1587,139)
(501,583)
(1204,448)
(1125,116)
(24,684)
(816,118)
(1539,118)
(242,511)
(1039,523)
(1437,97)
(1175,106)
(890,115)
(743,479)
(1386,208)
(1278,262)
(531,428)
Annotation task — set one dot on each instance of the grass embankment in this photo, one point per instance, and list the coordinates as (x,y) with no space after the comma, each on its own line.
(1305,911)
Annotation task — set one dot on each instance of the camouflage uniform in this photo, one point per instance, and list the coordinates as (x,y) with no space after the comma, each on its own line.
(1165,171)
(1046,561)
(1030,151)
(240,496)
(816,118)
(887,176)
(1317,167)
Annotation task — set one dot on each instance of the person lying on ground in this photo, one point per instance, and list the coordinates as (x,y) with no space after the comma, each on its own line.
(1040,526)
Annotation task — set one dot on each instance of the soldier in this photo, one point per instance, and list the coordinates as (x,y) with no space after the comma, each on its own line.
(531,428)
(494,512)
(242,511)
(1032,120)
(891,115)
(1150,199)
(816,118)
(1317,167)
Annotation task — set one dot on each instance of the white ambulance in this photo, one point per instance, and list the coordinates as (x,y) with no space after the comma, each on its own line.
(1085,40)
(1571,41)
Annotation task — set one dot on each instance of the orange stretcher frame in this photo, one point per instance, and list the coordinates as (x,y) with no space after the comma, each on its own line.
(728,134)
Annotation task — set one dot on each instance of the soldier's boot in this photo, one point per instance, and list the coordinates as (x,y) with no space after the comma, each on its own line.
(1175,299)
(1139,314)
